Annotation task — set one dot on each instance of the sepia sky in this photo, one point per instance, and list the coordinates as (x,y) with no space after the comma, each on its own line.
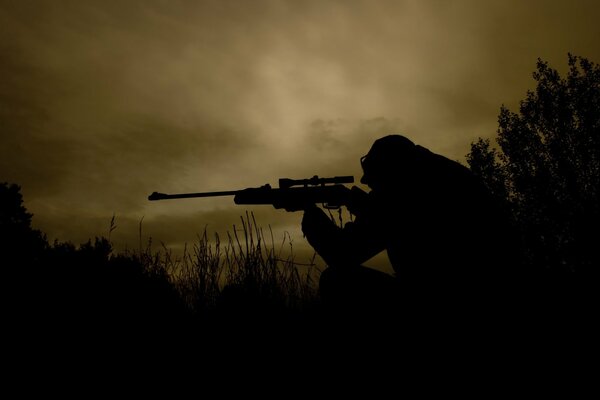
(103,102)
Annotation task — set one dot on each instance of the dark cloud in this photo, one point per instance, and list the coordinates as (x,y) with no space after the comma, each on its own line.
(99,103)
(337,145)
(102,102)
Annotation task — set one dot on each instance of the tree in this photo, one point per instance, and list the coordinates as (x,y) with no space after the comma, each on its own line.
(18,240)
(546,166)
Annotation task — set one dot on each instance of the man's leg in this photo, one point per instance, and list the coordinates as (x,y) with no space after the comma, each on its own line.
(358,290)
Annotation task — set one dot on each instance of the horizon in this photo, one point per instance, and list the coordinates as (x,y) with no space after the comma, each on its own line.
(103,103)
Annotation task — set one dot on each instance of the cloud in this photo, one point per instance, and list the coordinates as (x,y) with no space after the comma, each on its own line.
(103,102)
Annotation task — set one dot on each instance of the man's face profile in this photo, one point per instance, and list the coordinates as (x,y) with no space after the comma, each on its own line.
(371,175)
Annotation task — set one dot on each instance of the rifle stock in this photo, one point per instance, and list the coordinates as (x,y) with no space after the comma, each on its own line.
(295,198)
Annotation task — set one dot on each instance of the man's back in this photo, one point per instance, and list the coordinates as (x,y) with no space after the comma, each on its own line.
(448,241)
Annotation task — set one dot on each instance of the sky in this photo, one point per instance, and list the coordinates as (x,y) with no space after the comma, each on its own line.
(104,102)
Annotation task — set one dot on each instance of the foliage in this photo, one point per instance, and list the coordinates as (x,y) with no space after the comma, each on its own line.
(17,238)
(546,167)
(146,295)
(243,275)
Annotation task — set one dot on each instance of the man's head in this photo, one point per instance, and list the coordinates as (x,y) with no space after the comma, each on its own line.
(387,159)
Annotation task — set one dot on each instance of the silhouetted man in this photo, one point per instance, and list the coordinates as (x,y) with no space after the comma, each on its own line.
(445,237)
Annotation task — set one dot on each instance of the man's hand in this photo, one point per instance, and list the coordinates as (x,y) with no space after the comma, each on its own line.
(357,201)
(315,223)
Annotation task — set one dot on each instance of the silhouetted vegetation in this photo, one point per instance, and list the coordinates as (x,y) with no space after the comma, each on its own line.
(245,293)
(64,295)
(547,167)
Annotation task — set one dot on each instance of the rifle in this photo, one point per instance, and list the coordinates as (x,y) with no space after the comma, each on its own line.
(292,194)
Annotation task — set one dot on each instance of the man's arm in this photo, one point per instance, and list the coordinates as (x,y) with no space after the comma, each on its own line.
(354,244)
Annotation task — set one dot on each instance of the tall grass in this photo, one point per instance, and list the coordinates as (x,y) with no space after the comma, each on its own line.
(246,272)
(67,298)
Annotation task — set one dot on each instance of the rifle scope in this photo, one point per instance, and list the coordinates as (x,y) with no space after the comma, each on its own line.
(285,183)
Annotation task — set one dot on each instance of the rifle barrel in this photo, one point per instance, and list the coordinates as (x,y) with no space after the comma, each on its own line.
(163,196)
